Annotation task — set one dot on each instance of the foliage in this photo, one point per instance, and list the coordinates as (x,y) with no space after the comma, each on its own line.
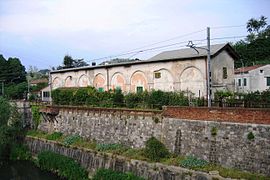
(16,91)
(257,45)
(35,116)
(69,62)
(113,148)
(54,136)
(36,133)
(118,98)
(192,162)
(5,111)
(214,131)
(12,70)
(103,174)
(20,152)
(69,140)
(64,166)
(39,86)
(250,136)
(230,172)
(115,98)
(11,131)
(250,99)
(155,150)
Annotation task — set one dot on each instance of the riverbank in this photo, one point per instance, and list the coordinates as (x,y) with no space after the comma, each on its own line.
(93,160)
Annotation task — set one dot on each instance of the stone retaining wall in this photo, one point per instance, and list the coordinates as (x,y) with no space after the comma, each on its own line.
(229,147)
(92,161)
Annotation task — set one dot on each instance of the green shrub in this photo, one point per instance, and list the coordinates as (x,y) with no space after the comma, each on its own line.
(19,152)
(107,174)
(71,140)
(192,162)
(35,116)
(54,136)
(155,150)
(214,131)
(64,166)
(118,98)
(250,136)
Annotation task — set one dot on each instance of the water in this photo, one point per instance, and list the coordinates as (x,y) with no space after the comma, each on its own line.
(23,170)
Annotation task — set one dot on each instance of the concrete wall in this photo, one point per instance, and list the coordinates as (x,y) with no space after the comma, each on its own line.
(256,80)
(184,75)
(92,161)
(181,134)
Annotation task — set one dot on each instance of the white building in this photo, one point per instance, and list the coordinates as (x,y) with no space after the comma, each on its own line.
(177,70)
(252,78)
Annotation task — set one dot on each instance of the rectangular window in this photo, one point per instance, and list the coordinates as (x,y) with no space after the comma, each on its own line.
(245,81)
(139,89)
(225,75)
(267,81)
(118,88)
(46,94)
(100,89)
(157,75)
(239,82)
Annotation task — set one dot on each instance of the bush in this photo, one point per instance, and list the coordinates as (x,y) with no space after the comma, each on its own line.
(71,140)
(250,136)
(19,152)
(64,166)
(193,162)
(155,150)
(35,116)
(104,174)
(54,136)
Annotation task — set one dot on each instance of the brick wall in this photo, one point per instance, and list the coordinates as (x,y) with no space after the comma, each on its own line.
(237,115)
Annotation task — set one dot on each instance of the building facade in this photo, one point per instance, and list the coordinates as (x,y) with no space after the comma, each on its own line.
(179,70)
(252,78)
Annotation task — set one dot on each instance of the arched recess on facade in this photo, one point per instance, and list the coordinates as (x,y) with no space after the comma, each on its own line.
(83,81)
(56,83)
(69,82)
(99,82)
(192,80)
(163,80)
(118,81)
(138,82)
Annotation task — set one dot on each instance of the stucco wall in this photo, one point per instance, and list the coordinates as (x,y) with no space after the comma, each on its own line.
(230,147)
(256,80)
(184,75)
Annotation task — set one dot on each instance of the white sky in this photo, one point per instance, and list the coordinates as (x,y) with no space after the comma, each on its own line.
(41,32)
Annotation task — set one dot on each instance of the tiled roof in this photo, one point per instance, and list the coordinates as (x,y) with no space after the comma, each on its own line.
(37,81)
(187,52)
(246,69)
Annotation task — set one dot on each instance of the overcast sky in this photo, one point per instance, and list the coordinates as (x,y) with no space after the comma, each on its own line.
(41,32)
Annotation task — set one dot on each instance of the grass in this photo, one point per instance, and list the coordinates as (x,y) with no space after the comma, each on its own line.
(139,154)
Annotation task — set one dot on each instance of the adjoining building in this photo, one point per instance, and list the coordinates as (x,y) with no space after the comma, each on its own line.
(252,78)
(177,70)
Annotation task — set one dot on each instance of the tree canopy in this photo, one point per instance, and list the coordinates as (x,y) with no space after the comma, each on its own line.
(69,62)
(256,47)
(11,70)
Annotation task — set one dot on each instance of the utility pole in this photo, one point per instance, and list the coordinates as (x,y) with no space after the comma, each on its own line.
(208,66)
(209,79)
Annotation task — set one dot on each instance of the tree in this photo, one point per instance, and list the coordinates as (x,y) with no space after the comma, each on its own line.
(69,62)
(255,49)
(11,70)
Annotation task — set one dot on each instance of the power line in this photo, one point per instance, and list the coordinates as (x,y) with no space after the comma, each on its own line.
(152,44)
(226,27)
